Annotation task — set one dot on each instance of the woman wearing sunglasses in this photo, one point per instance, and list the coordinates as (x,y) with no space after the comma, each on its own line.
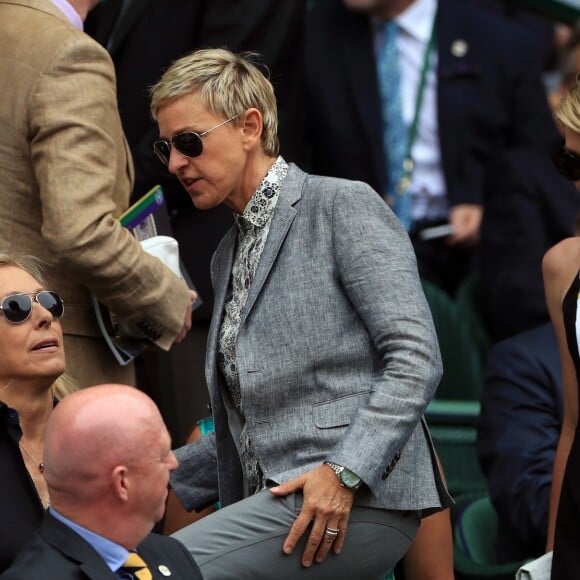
(31,362)
(561,268)
(322,354)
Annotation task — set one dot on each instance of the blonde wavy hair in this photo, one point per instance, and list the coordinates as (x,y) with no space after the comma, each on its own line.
(228,84)
(64,385)
(568,111)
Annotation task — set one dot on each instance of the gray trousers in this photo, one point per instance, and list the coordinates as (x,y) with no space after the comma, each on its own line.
(245,540)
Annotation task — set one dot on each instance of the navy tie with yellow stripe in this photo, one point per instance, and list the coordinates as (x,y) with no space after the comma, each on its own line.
(136,566)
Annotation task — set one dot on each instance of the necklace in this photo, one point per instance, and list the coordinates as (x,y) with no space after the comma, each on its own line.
(39,463)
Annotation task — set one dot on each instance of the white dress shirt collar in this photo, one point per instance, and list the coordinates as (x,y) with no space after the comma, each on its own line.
(417,20)
(71,14)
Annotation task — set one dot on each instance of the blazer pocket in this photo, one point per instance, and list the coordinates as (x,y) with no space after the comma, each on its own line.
(338,412)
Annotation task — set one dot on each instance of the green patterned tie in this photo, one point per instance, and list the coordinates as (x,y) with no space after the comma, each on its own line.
(395,131)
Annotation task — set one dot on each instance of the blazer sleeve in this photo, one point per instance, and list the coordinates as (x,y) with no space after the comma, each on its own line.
(195,481)
(83,166)
(377,268)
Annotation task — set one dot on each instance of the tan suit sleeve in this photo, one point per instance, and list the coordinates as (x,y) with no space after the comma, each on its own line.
(84,171)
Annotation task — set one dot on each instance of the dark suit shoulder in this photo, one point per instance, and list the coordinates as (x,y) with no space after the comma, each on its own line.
(483,20)
(539,343)
(530,363)
(41,560)
(461,20)
(56,551)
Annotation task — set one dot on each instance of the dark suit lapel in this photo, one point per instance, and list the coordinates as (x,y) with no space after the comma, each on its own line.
(453,67)
(167,559)
(456,53)
(69,543)
(357,53)
(155,566)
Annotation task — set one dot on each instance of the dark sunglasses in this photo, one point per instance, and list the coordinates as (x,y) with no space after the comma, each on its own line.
(188,143)
(567,163)
(18,307)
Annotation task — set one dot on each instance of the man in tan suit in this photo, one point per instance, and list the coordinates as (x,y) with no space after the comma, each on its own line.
(66,175)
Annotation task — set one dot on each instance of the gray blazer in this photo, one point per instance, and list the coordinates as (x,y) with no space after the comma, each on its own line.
(337,354)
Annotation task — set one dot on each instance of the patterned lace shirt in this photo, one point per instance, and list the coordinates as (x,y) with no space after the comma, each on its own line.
(253,228)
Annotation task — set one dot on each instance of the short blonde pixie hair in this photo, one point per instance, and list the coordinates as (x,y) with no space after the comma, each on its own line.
(228,83)
(568,111)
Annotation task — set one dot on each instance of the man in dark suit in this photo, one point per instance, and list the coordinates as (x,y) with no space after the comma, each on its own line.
(107,460)
(529,207)
(517,436)
(480,97)
(144,37)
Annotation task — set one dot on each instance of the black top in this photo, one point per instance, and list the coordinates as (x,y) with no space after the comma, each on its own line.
(21,510)
(567,540)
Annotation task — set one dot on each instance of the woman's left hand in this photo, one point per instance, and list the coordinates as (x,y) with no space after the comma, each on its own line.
(326,505)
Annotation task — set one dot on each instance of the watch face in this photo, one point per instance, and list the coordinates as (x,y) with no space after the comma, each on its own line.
(349,478)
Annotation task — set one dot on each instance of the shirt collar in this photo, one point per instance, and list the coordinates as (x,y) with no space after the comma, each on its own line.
(113,554)
(71,14)
(263,201)
(417,20)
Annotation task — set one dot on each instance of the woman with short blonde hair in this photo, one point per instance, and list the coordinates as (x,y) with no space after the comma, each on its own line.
(227,85)
(322,354)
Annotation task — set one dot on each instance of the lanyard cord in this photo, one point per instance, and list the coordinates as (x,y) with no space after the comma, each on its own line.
(408,164)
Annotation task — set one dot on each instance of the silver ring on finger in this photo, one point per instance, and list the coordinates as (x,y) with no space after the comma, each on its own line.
(331,532)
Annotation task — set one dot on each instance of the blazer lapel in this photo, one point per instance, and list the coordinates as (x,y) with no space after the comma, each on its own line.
(69,543)
(282,219)
(455,63)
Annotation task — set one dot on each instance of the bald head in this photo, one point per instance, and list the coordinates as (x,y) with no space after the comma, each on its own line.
(107,457)
(91,431)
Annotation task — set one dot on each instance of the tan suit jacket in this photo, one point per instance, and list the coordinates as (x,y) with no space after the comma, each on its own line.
(66,174)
